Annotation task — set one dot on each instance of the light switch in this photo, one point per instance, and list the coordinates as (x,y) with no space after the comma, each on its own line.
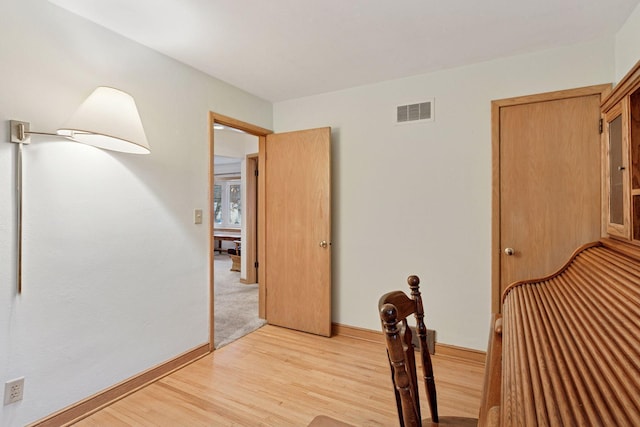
(197,216)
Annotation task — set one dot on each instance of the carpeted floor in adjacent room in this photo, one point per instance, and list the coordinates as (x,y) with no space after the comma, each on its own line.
(235,304)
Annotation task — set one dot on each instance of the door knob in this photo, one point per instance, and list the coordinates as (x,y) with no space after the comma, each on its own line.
(323,244)
(509,251)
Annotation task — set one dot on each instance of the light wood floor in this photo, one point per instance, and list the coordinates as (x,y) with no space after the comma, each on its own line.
(279,377)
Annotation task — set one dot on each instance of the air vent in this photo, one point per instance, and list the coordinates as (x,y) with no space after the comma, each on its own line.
(431,339)
(412,113)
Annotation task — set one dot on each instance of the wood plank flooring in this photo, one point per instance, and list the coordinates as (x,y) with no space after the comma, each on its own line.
(279,377)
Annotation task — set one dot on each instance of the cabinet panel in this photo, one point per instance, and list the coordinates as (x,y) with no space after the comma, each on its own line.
(621,113)
(634,137)
(617,171)
(634,147)
(616,167)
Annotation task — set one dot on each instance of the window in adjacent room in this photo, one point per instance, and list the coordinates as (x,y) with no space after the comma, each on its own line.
(227,204)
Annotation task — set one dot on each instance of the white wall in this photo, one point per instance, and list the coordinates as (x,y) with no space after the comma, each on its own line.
(115,271)
(628,44)
(416,199)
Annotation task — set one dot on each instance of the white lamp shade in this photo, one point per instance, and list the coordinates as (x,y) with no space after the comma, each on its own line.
(108,119)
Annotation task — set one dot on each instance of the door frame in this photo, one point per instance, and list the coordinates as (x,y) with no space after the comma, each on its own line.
(261,133)
(496,105)
(251,215)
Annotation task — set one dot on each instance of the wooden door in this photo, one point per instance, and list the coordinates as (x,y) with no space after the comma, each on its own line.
(298,230)
(547,176)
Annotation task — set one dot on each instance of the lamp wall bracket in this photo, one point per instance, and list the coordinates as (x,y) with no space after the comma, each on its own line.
(19,132)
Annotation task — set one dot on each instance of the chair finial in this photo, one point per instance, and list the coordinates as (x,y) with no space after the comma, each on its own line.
(414,284)
(389,313)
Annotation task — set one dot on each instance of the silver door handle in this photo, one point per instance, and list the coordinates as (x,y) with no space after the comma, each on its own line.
(509,251)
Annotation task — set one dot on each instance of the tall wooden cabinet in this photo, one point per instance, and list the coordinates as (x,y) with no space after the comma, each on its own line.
(621,128)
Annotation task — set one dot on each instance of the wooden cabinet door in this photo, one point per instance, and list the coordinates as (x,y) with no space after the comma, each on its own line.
(621,110)
(298,230)
(547,182)
(617,171)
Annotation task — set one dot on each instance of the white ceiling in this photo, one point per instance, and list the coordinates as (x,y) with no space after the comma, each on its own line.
(283,49)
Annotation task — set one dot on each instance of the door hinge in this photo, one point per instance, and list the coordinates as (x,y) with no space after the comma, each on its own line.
(256,172)
(601,127)
(255,264)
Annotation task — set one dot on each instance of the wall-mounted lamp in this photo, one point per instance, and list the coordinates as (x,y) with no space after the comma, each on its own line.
(107,119)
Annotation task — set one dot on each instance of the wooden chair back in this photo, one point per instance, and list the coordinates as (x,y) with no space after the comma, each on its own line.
(395,307)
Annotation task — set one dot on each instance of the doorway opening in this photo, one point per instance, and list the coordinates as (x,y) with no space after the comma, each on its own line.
(236,294)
